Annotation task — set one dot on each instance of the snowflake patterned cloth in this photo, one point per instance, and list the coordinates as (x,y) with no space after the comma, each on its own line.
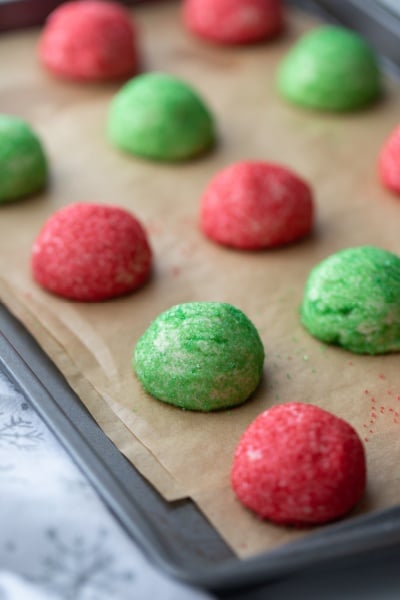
(58,540)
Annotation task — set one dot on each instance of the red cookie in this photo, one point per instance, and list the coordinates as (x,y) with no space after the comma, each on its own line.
(389,162)
(299,464)
(91,252)
(252,205)
(234,21)
(89,41)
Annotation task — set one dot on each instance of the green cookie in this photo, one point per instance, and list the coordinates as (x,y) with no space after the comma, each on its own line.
(23,165)
(330,69)
(200,356)
(352,299)
(159,117)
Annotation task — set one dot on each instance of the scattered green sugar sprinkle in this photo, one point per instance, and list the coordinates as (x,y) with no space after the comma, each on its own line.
(352,299)
(23,166)
(200,356)
(330,68)
(161,118)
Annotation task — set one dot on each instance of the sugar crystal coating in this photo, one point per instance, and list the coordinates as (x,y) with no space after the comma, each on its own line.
(91,40)
(330,68)
(200,356)
(23,164)
(298,464)
(159,117)
(234,21)
(91,252)
(252,205)
(352,299)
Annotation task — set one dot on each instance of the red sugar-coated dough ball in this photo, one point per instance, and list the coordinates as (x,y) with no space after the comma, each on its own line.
(389,162)
(91,252)
(233,21)
(299,464)
(89,40)
(252,205)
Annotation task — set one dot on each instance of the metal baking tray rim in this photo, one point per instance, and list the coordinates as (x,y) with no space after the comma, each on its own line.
(26,364)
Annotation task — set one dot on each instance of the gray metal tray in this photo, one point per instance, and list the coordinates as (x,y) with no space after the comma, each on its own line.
(176,536)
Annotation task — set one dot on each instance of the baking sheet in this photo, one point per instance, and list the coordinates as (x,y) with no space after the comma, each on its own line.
(181,453)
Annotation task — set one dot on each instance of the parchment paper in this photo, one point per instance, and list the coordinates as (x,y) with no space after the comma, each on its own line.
(187,454)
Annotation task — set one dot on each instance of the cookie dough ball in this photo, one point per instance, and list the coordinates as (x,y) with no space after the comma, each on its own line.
(389,162)
(298,464)
(23,165)
(352,299)
(234,21)
(89,40)
(330,69)
(252,205)
(200,356)
(161,118)
(91,252)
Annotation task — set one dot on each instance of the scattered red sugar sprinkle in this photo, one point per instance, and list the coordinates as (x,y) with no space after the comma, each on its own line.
(252,205)
(389,162)
(381,376)
(374,415)
(233,21)
(366,439)
(89,40)
(91,252)
(299,464)
(153,228)
(373,400)
(350,363)
(366,392)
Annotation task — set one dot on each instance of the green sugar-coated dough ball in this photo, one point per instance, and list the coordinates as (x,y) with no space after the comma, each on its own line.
(161,118)
(330,69)
(23,166)
(352,299)
(200,356)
